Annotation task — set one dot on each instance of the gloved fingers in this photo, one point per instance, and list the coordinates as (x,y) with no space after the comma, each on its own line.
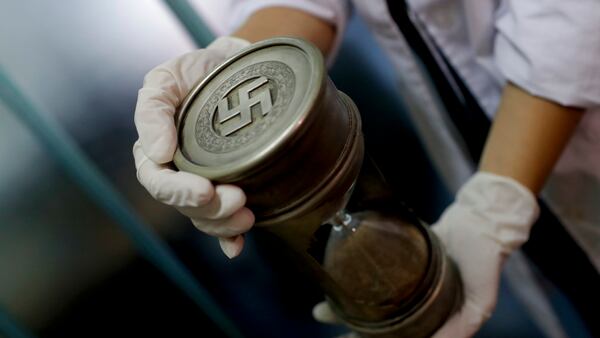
(175,188)
(238,223)
(323,313)
(171,81)
(179,75)
(164,89)
(491,217)
(479,260)
(155,124)
(228,45)
(232,246)
(227,200)
(174,78)
(463,324)
(438,230)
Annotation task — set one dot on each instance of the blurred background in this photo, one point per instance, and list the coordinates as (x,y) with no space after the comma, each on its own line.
(86,252)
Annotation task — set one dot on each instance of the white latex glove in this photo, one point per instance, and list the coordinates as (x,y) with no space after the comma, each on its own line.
(490,218)
(216,210)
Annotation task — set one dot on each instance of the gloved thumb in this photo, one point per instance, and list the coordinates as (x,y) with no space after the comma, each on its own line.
(323,313)
(232,246)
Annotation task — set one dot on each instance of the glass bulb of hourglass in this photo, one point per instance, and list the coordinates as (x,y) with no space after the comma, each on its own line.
(379,259)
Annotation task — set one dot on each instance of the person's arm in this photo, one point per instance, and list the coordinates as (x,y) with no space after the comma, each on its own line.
(494,211)
(283,21)
(527,137)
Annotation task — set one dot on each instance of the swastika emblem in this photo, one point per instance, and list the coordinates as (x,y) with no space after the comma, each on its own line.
(244,107)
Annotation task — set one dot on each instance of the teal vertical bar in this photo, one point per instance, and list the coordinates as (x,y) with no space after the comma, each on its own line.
(10,327)
(81,169)
(192,22)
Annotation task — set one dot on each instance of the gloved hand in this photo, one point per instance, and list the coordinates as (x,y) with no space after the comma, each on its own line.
(490,218)
(216,210)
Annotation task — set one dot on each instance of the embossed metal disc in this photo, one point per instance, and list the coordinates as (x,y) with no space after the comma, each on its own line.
(248,108)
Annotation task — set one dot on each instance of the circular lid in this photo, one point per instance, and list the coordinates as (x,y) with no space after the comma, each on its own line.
(248,108)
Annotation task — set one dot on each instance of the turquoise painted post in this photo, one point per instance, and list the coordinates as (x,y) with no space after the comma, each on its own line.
(81,169)
(192,22)
(10,327)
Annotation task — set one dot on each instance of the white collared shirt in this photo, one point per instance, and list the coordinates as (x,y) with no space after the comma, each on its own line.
(550,48)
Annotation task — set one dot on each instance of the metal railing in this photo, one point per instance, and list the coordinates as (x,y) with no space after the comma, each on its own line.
(191,21)
(87,176)
(11,328)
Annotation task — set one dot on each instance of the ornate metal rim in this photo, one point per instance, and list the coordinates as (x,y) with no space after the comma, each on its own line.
(314,94)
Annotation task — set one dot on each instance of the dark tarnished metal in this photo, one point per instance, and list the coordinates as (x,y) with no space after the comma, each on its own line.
(270,121)
(265,118)
(397,271)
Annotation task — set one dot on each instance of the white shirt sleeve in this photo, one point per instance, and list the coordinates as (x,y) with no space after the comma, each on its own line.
(335,12)
(551,48)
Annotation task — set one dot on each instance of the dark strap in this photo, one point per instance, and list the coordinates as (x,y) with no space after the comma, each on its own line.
(463,109)
(550,247)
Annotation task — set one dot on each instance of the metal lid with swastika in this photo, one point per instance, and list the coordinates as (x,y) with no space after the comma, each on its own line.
(248,106)
(269,120)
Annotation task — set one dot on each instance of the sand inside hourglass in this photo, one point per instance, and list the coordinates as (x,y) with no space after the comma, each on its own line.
(380,260)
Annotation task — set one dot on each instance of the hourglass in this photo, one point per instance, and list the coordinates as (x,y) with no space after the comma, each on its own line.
(269,120)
